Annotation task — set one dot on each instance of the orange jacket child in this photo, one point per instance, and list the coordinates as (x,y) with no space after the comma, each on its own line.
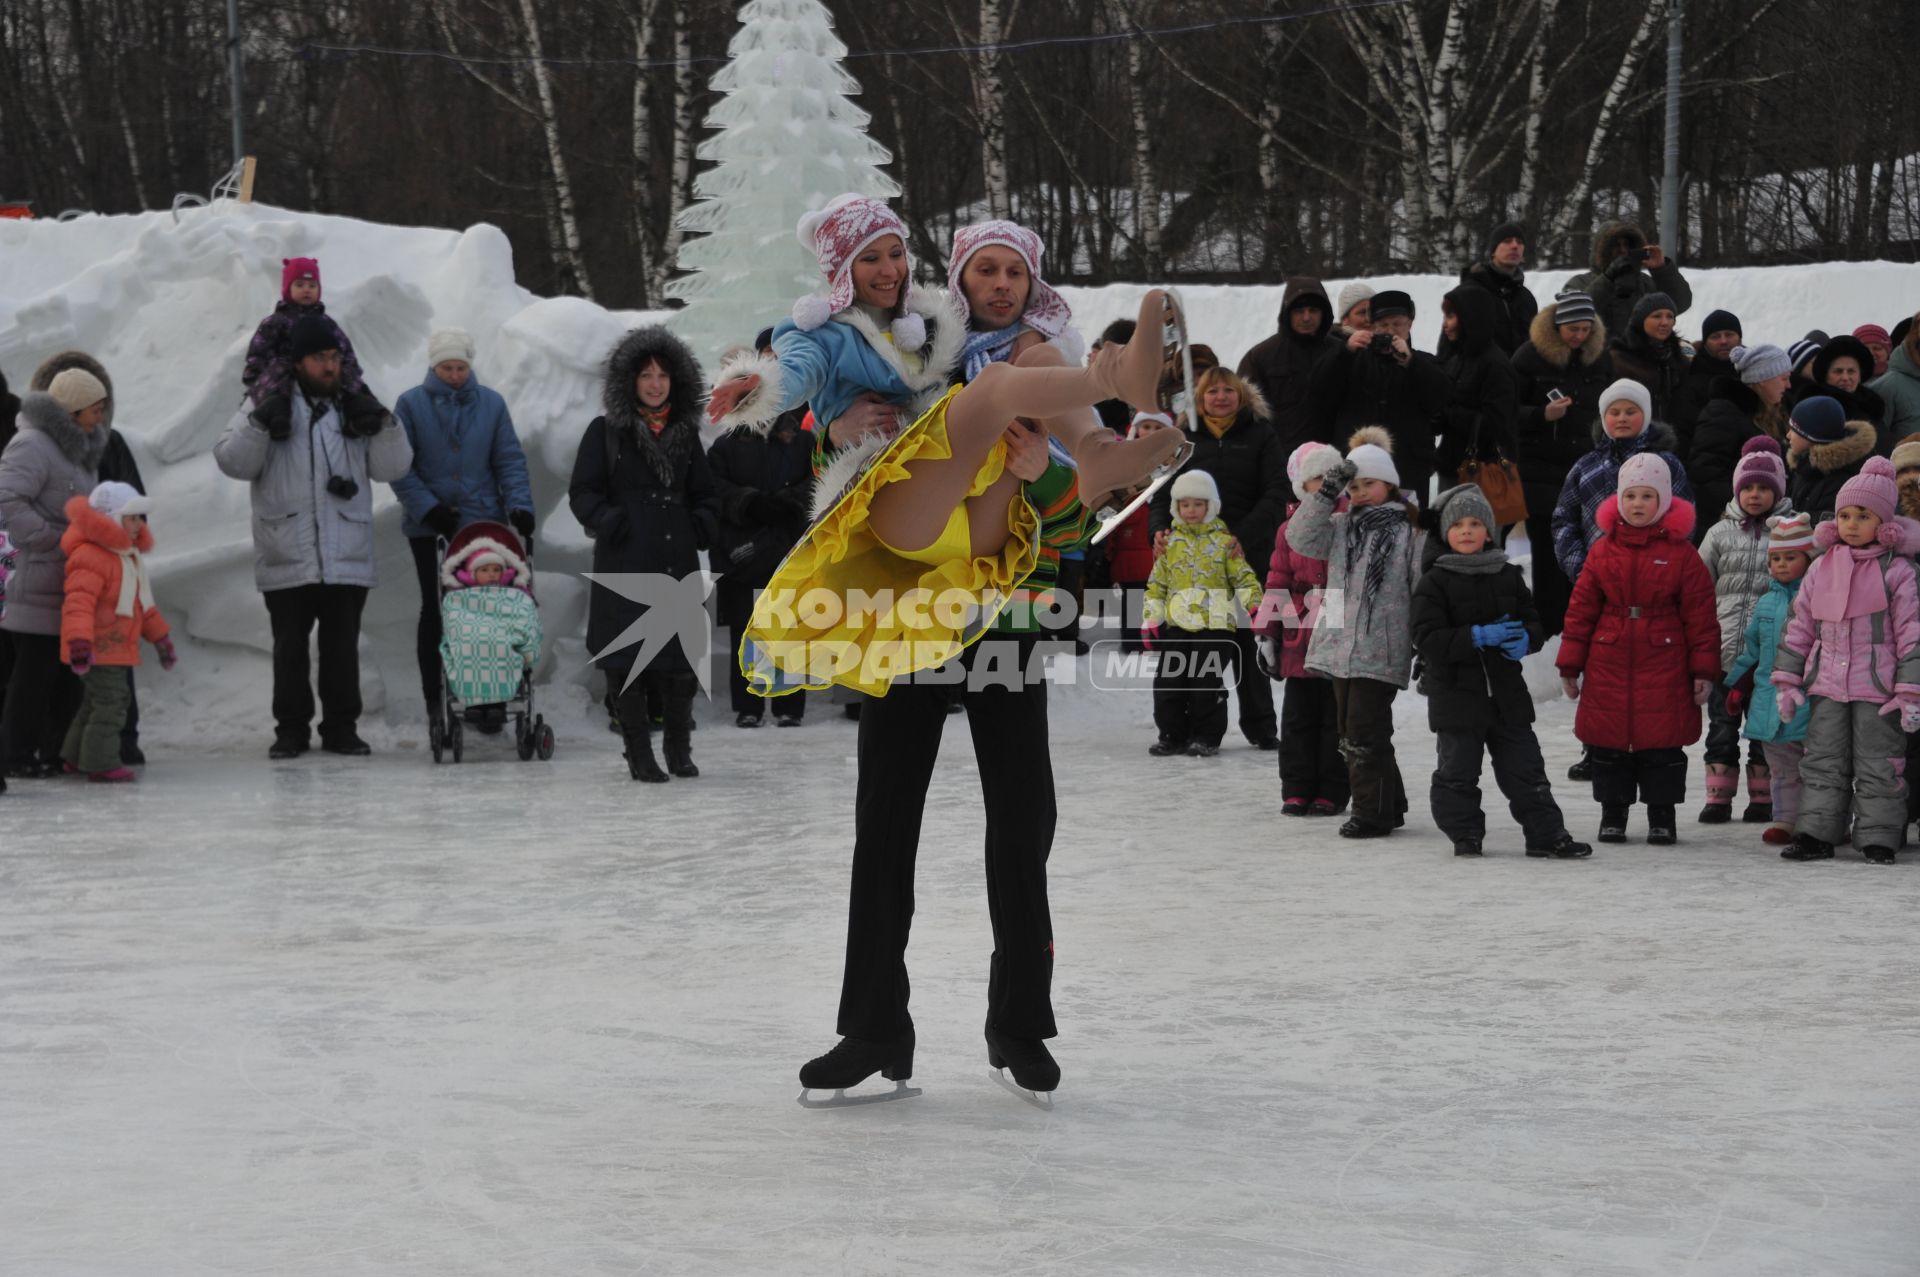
(107,610)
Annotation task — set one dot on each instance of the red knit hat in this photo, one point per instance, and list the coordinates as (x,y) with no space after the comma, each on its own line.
(292,268)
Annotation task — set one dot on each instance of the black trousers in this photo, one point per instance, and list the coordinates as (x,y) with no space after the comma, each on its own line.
(1517,768)
(1363,710)
(1551,589)
(1310,763)
(1723,731)
(1659,776)
(1253,689)
(1189,684)
(43,694)
(735,602)
(426,635)
(295,613)
(899,744)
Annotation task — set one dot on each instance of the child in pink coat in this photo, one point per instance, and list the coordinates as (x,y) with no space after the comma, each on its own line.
(1313,776)
(1852,653)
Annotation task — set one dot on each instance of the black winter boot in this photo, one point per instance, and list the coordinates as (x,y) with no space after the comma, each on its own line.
(854,1060)
(677,743)
(1661,826)
(1613,822)
(1562,848)
(640,760)
(1028,1059)
(1807,847)
(1582,770)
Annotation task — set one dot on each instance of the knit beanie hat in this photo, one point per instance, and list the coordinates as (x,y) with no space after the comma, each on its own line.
(836,235)
(1198,485)
(1791,532)
(1157,418)
(1906,453)
(1392,302)
(312,334)
(114,499)
(1311,461)
(1647,305)
(1760,463)
(1628,388)
(1758,363)
(76,389)
(1648,470)
(1467,501)
(1504,232)
(1819,418)
(1371,451)
(449,343)
(1800,352)
(1047,311)
(1872,489)
(1350,296)
(292,268)
(1720,321)
(1574,307)
(1873,334)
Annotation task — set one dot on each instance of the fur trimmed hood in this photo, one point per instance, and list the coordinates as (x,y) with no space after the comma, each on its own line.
(455,564)
(88,526)
(1855,445)
(1609,232)
(54,365)
(41,413)
(620,403)
(1677,522)
(1544,333)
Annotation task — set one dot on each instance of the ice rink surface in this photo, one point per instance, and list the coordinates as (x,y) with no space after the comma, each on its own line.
(333,1016)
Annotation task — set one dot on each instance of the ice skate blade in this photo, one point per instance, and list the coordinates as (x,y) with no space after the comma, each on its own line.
(841,1100)
(1039,1100)
(1161,478)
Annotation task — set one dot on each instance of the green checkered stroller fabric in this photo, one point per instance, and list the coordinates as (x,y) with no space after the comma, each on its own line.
(490,638)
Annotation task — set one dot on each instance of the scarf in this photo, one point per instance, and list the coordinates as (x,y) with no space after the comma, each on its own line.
(1218,426)
(994,346)
(1375,533)
(1485,563)
(133,579)
(656,419)
(1848,581)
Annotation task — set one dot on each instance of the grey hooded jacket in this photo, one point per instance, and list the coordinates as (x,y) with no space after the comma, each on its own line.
(303,534)
(1371,637)
(47,464)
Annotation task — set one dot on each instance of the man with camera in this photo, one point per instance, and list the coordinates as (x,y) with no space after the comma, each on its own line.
(1625,269)
(312,454)
(1377,378)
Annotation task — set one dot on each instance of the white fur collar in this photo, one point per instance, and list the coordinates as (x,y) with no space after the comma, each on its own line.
(946,338)
(840,473)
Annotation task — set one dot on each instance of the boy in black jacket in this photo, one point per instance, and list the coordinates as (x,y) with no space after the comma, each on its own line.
(1473,621)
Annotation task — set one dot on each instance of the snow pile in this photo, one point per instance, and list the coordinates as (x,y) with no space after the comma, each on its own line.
(169,306)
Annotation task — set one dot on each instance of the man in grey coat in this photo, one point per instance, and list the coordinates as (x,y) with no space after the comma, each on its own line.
(313,453)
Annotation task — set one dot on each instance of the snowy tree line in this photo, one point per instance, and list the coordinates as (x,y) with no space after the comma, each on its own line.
(1191,139)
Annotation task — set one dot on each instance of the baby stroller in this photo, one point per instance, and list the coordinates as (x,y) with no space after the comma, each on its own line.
(490,639)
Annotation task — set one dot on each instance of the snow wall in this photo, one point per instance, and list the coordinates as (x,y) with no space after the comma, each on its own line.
(168,306)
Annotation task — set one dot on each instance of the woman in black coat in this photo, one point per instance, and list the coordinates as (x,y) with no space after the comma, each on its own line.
(1842,370)
(1566,351)
(642,490)
(1480,419)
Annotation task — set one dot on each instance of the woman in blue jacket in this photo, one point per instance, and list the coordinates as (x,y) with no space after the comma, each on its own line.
(467,466)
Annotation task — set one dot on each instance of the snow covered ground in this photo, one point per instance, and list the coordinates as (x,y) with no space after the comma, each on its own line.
(368,1016)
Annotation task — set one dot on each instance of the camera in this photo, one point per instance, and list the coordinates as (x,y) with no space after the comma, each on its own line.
(1381,344)
(1643,255)
(341,486)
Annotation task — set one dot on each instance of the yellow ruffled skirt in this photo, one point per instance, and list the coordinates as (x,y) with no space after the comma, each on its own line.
(844,607)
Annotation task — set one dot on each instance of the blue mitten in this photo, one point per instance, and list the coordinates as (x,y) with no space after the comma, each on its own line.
(1491,635)
(1514,646)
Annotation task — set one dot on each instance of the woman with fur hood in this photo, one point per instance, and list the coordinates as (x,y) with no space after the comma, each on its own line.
(107,609)
(642,490)
(54,458)
(1373,561)
(1565,355)
(1852,652)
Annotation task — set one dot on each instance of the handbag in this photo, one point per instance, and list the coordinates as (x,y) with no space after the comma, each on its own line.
(1498,480)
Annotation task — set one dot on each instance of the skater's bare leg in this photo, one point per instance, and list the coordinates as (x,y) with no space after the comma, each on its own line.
(911,514)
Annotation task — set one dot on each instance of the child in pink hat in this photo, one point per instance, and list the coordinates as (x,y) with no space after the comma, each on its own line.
(269,367)
(1852,653)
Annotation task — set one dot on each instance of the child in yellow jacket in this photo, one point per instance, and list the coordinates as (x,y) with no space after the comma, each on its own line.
(1190,623)
(108,609)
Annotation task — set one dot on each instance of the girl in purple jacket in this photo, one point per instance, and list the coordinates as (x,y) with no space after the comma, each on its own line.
(1313,776)
(1852,653)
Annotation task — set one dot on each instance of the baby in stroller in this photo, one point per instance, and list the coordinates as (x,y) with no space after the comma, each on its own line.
(490,627)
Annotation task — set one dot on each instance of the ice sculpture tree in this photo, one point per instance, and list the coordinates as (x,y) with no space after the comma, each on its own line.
(786,139)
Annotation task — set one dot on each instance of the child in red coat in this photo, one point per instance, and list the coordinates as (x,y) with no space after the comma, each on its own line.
(1641,649)
(107,610)
(1313,775)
